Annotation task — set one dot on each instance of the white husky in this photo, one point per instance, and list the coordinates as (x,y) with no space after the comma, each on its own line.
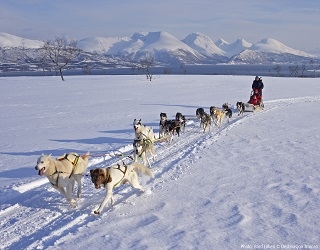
(116,175)
(143,132)
(63,172)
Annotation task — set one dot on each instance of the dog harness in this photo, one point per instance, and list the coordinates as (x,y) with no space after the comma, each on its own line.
(109,178)
(124,173)
(73,161)
(145,143)
(57,180)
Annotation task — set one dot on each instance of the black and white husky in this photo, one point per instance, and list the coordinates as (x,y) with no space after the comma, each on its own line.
(162,124)
(240,108)
(181,119)
(227,111)
(142,148)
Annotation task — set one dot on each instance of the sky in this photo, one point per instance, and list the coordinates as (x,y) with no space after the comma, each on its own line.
(252,182)
(293,22)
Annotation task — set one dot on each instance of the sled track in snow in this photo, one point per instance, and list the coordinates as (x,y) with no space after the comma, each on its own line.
(172,160)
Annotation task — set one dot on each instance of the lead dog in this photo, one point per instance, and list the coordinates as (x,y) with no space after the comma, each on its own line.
(143,148)
(116,175)
(63,172)
(141,131)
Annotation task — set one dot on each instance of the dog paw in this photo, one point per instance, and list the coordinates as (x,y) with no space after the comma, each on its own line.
(73,202)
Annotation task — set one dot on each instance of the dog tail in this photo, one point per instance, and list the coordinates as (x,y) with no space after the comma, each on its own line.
(85,156)
(142,169)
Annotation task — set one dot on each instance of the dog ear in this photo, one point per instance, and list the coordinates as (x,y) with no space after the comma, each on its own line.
(91,171)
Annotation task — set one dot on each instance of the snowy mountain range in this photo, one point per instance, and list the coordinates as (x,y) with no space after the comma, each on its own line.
(196,45)
(166,49)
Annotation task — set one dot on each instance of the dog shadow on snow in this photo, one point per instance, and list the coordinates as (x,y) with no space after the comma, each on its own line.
(97,140)
(171,105)
(18,173)
(53,152)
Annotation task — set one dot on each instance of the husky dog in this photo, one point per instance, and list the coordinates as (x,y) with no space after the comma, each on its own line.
(142,131)
(225,106)
(227,111)
(240,108)
(212,108)
(162,125)
(199,114)
(205,121)
(116,175)
(171,127)
(143,148)
(217,115)
(63,172)
(182,120)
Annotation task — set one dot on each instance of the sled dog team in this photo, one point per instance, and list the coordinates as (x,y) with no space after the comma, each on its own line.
(63,172)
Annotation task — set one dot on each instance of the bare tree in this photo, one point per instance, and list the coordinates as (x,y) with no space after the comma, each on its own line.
(86,69)
(277,68)
(294,70)
(44,63)
(60,52)
(146,63)
(314,67)
(303,69)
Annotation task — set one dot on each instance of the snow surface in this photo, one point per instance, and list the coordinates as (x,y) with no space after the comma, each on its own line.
(253,183)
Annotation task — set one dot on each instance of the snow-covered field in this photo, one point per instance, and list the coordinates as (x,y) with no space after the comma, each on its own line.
(253,183)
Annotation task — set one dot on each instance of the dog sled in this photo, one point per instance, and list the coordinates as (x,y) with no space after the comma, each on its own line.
(255,101)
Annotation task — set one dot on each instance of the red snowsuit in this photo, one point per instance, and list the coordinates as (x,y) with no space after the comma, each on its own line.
(256,96)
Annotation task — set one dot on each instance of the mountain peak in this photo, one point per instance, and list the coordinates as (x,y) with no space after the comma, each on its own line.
(7,40)
(139,35)
(202,44)
(242,42)
(220,42)
(271,45)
